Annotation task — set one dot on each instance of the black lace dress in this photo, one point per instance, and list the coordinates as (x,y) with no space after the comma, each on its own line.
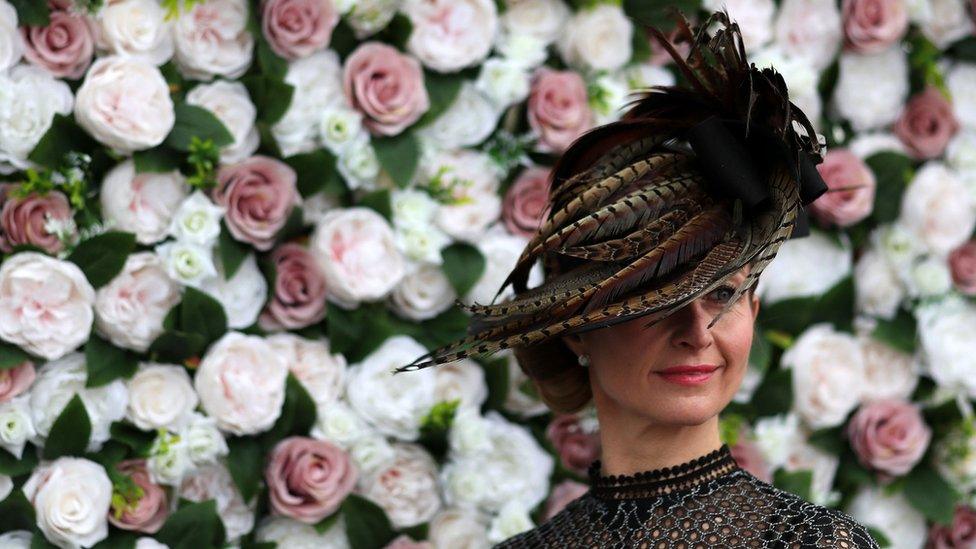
(706,502)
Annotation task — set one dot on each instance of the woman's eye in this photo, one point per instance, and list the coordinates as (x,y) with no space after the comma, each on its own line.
(724,293)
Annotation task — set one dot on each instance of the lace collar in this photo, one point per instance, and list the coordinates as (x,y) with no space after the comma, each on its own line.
(658,482)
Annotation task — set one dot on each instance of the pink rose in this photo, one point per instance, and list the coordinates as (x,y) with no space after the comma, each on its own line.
(842,169)
(308,479)
(23,220)
(870,26)
(888,435)
(404,541)
(960,533)
(559,110)
(749,457)
(926,124)
(298,28)
(576,448)
(149,512)
(962,263)
(562,495)
(259,193)
(527,202)
(16,380)
(299,295)
(386,86)
(64,47)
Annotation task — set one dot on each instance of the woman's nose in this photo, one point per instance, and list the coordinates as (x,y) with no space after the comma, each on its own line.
(690,325)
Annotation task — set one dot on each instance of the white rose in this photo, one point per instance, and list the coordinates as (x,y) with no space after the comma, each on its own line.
(462,380)
(11,47)
(316,206)
(320,371)
(412,207)
(467,122)
(370,452)
(961,151)
(58,381)
(358,164)
(125,104)
(160,397)
(804,267)
(597,38)
(503,81)
(136,28)
(212,40)
(511,520)
(521,397)
(130,309)
(17,539)
(890,514)
(203,441)
(45,304)
(370,16)
(241,383)
(197,220)
(828,375)
(608,95)
(776,437)
(888,372)
(231,104)
(522,49)
(474,183)
(809,29)
(149,543)
(514,467)
(413,212)
(755,19)
(938,208)
(214,482)
(954,457)
(501,251)
(946,22)
(424,293)
(394,405)
(242,296)
(945,330)
(357,252)
(899,246)
(187,263)
(930,277)
(142,203)
(961,81)
(29,99)
(71,499)
(169,459)
(871,89)
(645,75)
(318,86)
(823,466)
(877,288)
(867,143)
(406,487)
(339,423)
(542,19)
(449,35)
(469,434)
(286,532)
(339,127)
(457,527)
(16,426)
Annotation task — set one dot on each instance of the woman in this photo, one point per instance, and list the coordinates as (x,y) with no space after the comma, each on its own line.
(659,227)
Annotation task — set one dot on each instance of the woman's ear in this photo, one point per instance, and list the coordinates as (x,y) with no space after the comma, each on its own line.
(754,304)
(574,342)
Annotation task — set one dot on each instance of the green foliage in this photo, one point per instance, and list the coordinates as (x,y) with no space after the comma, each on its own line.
(11,356)
(398,156)
(106,362)
(70,432)
(193,526)
(101,257)
(930,494)
(366,523)
(196,122)
(463,266)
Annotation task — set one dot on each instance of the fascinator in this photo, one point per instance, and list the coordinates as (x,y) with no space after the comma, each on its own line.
(654,210)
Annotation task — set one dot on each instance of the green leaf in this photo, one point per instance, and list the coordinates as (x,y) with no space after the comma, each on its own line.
(442,329)
(398,156)
(70,432)
(11,356)
(359,332)
(294,225)
(193,526)
(193,121)
(202,314)
(271,64)
(102,256)
(963,50)
(795,482)
(892,171)
(245,463)
(316,172)
(297,413)
(16,513)
(379,201)
(106,362)
(836,306)
(232,251)
(366,523)
(137,440)
(463,266)
(13,467)
(761,352)
(31,13)
(397,32)
(878,536)
(323,525)
(159,159)
(270,94)
(117,540)
(64,136)
(899,332)
(828,439)
(930,494)
(442,89)
(344,39)
(791,315)
(496,377)
(654,14)
(775,394)
(177,345)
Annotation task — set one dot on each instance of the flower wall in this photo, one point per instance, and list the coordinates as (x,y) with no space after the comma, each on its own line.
(224,222)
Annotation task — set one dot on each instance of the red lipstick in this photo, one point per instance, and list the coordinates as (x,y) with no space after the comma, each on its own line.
(687,374)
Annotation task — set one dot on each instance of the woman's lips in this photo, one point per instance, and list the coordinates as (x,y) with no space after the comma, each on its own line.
(691,375)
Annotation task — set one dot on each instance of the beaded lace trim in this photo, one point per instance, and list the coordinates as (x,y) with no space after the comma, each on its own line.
(656,482)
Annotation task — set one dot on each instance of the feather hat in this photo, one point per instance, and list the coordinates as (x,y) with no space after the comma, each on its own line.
(662,206)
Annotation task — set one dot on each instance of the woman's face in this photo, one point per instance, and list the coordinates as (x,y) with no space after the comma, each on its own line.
(626,359)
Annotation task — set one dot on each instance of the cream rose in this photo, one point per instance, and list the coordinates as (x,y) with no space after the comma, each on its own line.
(197,220)
(871,88)
(891,514)
(129,310)
(473,182)
(597,38)
(11,48)
(321,372)
(423,293)
(212,40)
(961,81)
(877,288)
(501,251)
(187,263)
(463,380)
(755,19)
(809,29)
(458,527)
(45,304)
(230,102)
(125,104)
(16,425)
(544,20)
(141,203)
(950,354)
(406,487)
(242,295)
(135,28)
(938,209)
(805,267)
(449,35)
(356,250)
(214,482)
(241,383)
(468,121)
(71,498)
(29,99)
(161,397)
(318,87)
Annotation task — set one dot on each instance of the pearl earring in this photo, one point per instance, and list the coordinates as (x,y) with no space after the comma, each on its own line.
(584,360)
